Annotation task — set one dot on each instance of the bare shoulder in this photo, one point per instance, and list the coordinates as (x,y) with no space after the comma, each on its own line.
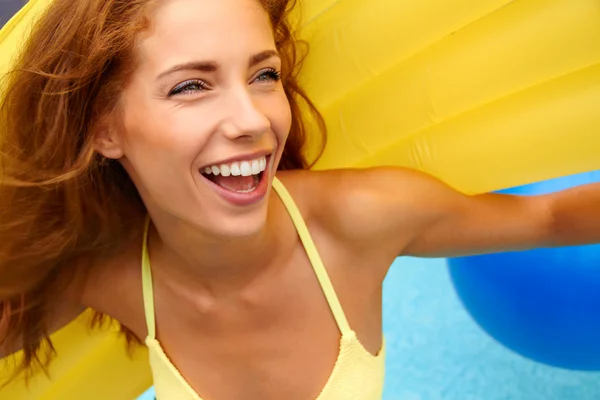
(357,204)
(108,285)
(371,212)
(113,286)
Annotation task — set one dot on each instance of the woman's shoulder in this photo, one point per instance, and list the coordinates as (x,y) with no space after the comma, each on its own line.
(330,197)
(370,212)
(113,285)
(338,207)
(356,201)
(343,202)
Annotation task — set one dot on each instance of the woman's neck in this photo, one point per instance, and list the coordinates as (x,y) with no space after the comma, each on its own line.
(215,266)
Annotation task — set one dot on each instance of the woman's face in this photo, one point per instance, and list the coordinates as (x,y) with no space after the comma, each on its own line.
(205,115)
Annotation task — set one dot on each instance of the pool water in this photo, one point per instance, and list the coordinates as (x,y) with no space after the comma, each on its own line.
(435,351)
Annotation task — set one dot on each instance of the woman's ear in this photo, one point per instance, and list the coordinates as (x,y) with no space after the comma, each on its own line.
(107,140)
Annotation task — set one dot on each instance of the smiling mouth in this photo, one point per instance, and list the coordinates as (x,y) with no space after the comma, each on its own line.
(237,176)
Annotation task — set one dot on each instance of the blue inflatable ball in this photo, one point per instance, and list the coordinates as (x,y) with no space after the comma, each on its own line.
(543,304)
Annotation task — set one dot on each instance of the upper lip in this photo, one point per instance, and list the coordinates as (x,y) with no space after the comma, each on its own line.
(240,157)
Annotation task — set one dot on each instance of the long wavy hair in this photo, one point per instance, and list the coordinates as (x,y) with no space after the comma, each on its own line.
(54,187)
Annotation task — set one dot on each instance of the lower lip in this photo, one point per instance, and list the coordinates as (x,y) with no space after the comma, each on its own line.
(244,199)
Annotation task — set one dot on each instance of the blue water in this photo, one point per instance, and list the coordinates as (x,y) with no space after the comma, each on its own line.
(435,351)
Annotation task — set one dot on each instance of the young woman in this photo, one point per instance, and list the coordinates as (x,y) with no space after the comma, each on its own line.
(153,170)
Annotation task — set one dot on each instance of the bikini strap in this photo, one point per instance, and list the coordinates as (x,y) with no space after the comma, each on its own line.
(147,289)
(313,255)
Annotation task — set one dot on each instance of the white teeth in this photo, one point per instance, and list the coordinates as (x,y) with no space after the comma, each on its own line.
(237,168)
(225,170)
(245,168)
(255,166)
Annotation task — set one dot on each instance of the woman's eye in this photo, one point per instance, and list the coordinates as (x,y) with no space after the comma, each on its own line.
(267,75)
(194,86)
(188,87)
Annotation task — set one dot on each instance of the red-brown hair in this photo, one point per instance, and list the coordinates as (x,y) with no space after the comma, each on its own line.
(54,187)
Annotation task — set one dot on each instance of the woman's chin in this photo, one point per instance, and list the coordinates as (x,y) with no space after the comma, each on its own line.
(238,225)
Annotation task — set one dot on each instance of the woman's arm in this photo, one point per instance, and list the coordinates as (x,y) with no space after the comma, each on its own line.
(467,225)
(418,215)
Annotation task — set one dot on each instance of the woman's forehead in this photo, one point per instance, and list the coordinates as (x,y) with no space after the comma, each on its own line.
(206,29)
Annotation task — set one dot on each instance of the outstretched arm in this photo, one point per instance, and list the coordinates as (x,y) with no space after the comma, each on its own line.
(487,223)
(424,217)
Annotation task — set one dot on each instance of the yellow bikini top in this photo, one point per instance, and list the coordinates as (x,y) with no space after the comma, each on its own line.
(357,374)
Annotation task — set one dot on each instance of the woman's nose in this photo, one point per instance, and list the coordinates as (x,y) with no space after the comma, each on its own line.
(244,116)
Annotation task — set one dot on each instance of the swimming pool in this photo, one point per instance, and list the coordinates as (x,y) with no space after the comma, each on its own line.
(437,352)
